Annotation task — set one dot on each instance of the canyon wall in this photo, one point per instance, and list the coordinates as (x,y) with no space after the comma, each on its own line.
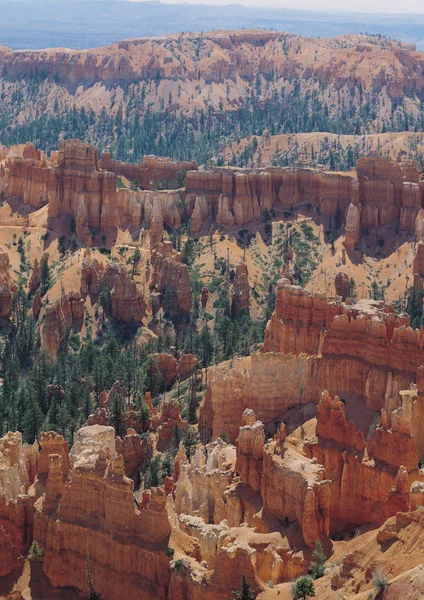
(153,171)
(364,475)
(78,187)
(17,470)
(91,516)
(76,183)
(7,286)
(364,352)
(379,192)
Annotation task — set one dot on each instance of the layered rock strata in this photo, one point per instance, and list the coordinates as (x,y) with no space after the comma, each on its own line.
(367,478)
(363,351)
(59,318)
(17,463)
(240,293)
(7,286)
(171,279)
(152,170)
(381,191)
(126,299)
(96,505)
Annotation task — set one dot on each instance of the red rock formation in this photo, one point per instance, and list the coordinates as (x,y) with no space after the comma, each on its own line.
(240,293)
(78,187)
(91,272)
(96,504)
(170,418)
(7,287)
(126,299)
(313,343)
(172,280)
(250,451)
(296,489)
(204,297)
(134,451)
(186,365)
(362,475)
(395,550)
(15,506)
(395,445)
(60,317)
(156,227)
(172,369)
(353,227)
(151,209)
(168,367)
(382,191)
(28,176)
(342,285)
(99,417)
(418,264)
(299,320)
(127,302)
(36,306)
(35,279)
(52,443)
(151,169)
(398,499)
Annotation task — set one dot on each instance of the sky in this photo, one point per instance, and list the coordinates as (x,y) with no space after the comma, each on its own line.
(382,6)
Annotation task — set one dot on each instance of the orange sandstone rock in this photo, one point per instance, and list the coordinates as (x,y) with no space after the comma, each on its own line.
(96,504)
(15,478)
(240,293)
(171,279)
(7,287)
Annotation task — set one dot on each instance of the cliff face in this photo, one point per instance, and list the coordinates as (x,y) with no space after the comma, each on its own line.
(152,171)
(380,192)
(352,464)
(209,502)
(314,343)
(17,463)
(76,183)
(79,188)
(215,59)
(125,299)
(172,280)
(59,318)
(240,293)
(148,207)
(28,176)
(7,286)
(96,504)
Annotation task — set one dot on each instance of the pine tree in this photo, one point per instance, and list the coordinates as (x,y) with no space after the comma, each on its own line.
(317,566)
(92,594)
(303,588)
(117,414)
(32,417)
(245,592)
(135,260)
(45,276)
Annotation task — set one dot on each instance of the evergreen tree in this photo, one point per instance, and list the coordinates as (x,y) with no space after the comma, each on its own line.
(117,414)
(245,592)
(303,588)
(317,566)
(45,277)
(92,594)
(32,417)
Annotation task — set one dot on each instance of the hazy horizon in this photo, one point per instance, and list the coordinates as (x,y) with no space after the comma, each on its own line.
(339,6)
(83,24)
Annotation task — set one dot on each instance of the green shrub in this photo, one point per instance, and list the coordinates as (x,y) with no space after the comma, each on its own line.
(35,552)
(303,588)
(379,580)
